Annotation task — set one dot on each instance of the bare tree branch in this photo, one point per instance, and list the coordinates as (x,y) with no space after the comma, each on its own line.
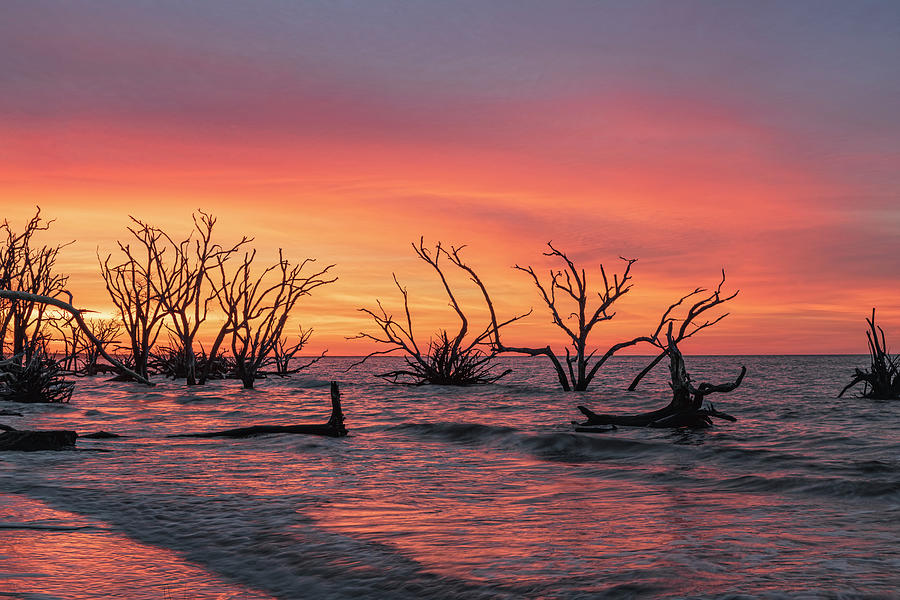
(257,308)
(689,326)
(572,283)
(76,313)
(462,358)
(882,379)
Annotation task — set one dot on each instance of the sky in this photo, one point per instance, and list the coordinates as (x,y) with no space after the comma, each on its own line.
(758,137)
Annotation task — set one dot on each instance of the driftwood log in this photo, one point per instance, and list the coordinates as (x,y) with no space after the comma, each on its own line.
(100,435)
(685,410)
(30,441)
(333,428)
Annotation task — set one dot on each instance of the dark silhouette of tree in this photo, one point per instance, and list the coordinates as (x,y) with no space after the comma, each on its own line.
(569,289)
(28,268)
(133,286)
(285,350)
(105,332)
(163,282)
(182,285)
(67,334)
(688,327)
(449,359)
(882,380)
(257,307)
(29,373)
(686,408)
(567,296)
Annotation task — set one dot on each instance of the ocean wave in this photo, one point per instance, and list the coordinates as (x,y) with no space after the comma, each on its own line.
(554,446)
(816,486)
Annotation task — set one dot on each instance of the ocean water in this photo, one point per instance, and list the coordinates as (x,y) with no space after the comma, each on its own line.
(479,492)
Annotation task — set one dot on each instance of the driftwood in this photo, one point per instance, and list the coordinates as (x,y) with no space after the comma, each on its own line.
(882,380)
(31,441)
(100,435)
(686,408)
(333,428)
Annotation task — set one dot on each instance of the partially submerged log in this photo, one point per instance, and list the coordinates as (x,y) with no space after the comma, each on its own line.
(100,435)
(31,441)
(333,428)
(685,410)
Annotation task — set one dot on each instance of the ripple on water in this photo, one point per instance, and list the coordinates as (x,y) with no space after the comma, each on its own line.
(475,492)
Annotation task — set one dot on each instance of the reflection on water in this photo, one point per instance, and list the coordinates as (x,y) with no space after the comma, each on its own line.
(473,492)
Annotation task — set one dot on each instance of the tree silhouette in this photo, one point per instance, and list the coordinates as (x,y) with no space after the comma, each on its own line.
(165,283)
(256,308)
(29,268)
(133,286)
(569,287)
(882,379)
(460,358)
(182,287)
(688,327)
(567,294)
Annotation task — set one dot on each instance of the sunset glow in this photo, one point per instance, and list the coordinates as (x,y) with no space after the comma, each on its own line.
(762,139)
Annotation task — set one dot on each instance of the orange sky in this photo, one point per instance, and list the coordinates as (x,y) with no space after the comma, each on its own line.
(762,141)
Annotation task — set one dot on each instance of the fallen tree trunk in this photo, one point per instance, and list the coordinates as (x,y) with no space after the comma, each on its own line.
(333,428)
(69,308)
(664,417)
(31,441)
(685,410)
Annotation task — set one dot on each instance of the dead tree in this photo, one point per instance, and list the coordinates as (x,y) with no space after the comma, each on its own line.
(28,268)
(571,285)
(882,380)
(181,285)
(68,334)
(105,332)
(449,359)
(284,352)
(688,326)
(686,408)
(134,288)
(256,309)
